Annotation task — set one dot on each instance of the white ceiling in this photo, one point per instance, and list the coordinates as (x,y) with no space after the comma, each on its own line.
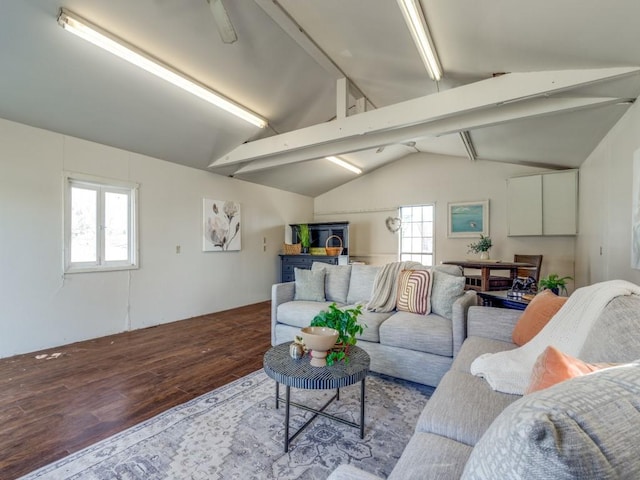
(53,80)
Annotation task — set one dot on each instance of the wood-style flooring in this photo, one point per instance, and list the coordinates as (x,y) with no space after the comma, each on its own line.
(56,405)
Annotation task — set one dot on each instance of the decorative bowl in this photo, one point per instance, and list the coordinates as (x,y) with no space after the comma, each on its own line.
(319,340)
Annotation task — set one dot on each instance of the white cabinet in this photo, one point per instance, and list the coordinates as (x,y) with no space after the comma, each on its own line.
(545,204)
(524,205)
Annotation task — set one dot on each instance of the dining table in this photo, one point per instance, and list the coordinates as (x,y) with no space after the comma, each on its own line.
(482,282)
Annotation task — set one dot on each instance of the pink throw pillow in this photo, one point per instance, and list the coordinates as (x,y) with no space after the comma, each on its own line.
(537,314)
(553,366)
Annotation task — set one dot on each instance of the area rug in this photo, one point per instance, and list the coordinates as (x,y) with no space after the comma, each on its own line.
(235,432)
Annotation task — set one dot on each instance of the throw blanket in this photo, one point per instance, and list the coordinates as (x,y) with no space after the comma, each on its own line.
(510,371)
(383,298)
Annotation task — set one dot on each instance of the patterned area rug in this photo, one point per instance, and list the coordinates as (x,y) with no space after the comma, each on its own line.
(235,432)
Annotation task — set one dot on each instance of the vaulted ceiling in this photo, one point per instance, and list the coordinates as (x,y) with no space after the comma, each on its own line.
(285,65)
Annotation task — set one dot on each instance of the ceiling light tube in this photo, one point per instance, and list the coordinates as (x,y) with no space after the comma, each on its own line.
(109,42)
(414,17)
(468,145)
(343,164)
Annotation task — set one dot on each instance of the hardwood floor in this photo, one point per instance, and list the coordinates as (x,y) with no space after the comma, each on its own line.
(51,407)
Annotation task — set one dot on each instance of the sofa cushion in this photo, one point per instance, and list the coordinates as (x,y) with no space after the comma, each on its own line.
(454,270)
(446,290)
(537,314)
(428,456)
(300,313)
(424,333)
(462,408)
(553,366)
(372,320)
(309,285)
(616,335)
(587,427)
(336,280)
(414,291)
(361,283)
(476,346)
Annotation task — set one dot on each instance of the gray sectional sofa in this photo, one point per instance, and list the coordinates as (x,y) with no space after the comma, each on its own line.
(414,347)
(583,428)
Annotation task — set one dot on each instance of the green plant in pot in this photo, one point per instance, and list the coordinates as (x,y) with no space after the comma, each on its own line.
(482,247)
(304,235)
(345,321)
(554,283)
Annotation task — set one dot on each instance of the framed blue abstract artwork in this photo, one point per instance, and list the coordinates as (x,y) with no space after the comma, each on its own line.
(468,219)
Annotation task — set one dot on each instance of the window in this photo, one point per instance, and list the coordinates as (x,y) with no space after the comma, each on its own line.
(416,234)
(100,225)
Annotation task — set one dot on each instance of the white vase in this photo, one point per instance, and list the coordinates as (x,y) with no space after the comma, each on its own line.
(484,255)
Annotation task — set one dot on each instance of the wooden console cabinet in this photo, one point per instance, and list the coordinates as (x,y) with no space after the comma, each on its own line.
(289,262)
(320,232)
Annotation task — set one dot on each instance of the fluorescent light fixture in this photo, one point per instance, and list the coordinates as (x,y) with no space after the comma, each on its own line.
(343,164)
(223,22)
(468,145)
(417,24)
(103,39)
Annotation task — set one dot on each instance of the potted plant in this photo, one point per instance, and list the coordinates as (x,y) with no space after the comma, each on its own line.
(346,323)
(554,283)
(482,247)
(304,235)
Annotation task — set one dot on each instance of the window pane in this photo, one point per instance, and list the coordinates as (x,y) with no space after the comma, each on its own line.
(417,214)
(416,235)
(83,225)
(116,228)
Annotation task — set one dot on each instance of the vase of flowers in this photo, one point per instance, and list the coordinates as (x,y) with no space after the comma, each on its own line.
(482,247)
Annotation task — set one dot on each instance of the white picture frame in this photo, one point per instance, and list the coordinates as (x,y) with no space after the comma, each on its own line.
(468,219)
(221,227)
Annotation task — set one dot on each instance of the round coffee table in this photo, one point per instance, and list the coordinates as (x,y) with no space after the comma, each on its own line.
(299,373)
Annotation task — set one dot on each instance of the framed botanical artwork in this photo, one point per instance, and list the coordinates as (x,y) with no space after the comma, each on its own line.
(468,219)
(221,225)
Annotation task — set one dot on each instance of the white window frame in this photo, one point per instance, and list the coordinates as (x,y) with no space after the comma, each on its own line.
(101,186)
(403,227)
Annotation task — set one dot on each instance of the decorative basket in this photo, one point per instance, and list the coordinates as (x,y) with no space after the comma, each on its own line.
(333,251)
(291,249)
(317,251)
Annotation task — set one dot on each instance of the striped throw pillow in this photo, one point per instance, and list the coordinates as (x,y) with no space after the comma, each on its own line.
(414,290)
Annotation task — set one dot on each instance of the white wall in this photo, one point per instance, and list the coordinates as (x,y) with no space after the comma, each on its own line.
(41,308)
(423,178)
(605,205)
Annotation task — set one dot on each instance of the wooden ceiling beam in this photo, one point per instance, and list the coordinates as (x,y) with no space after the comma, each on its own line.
(500,99)
(282,18)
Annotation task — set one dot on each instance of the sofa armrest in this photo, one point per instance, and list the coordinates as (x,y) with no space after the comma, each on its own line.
(459,318)
(492,322)
(349,472)
(280,293)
